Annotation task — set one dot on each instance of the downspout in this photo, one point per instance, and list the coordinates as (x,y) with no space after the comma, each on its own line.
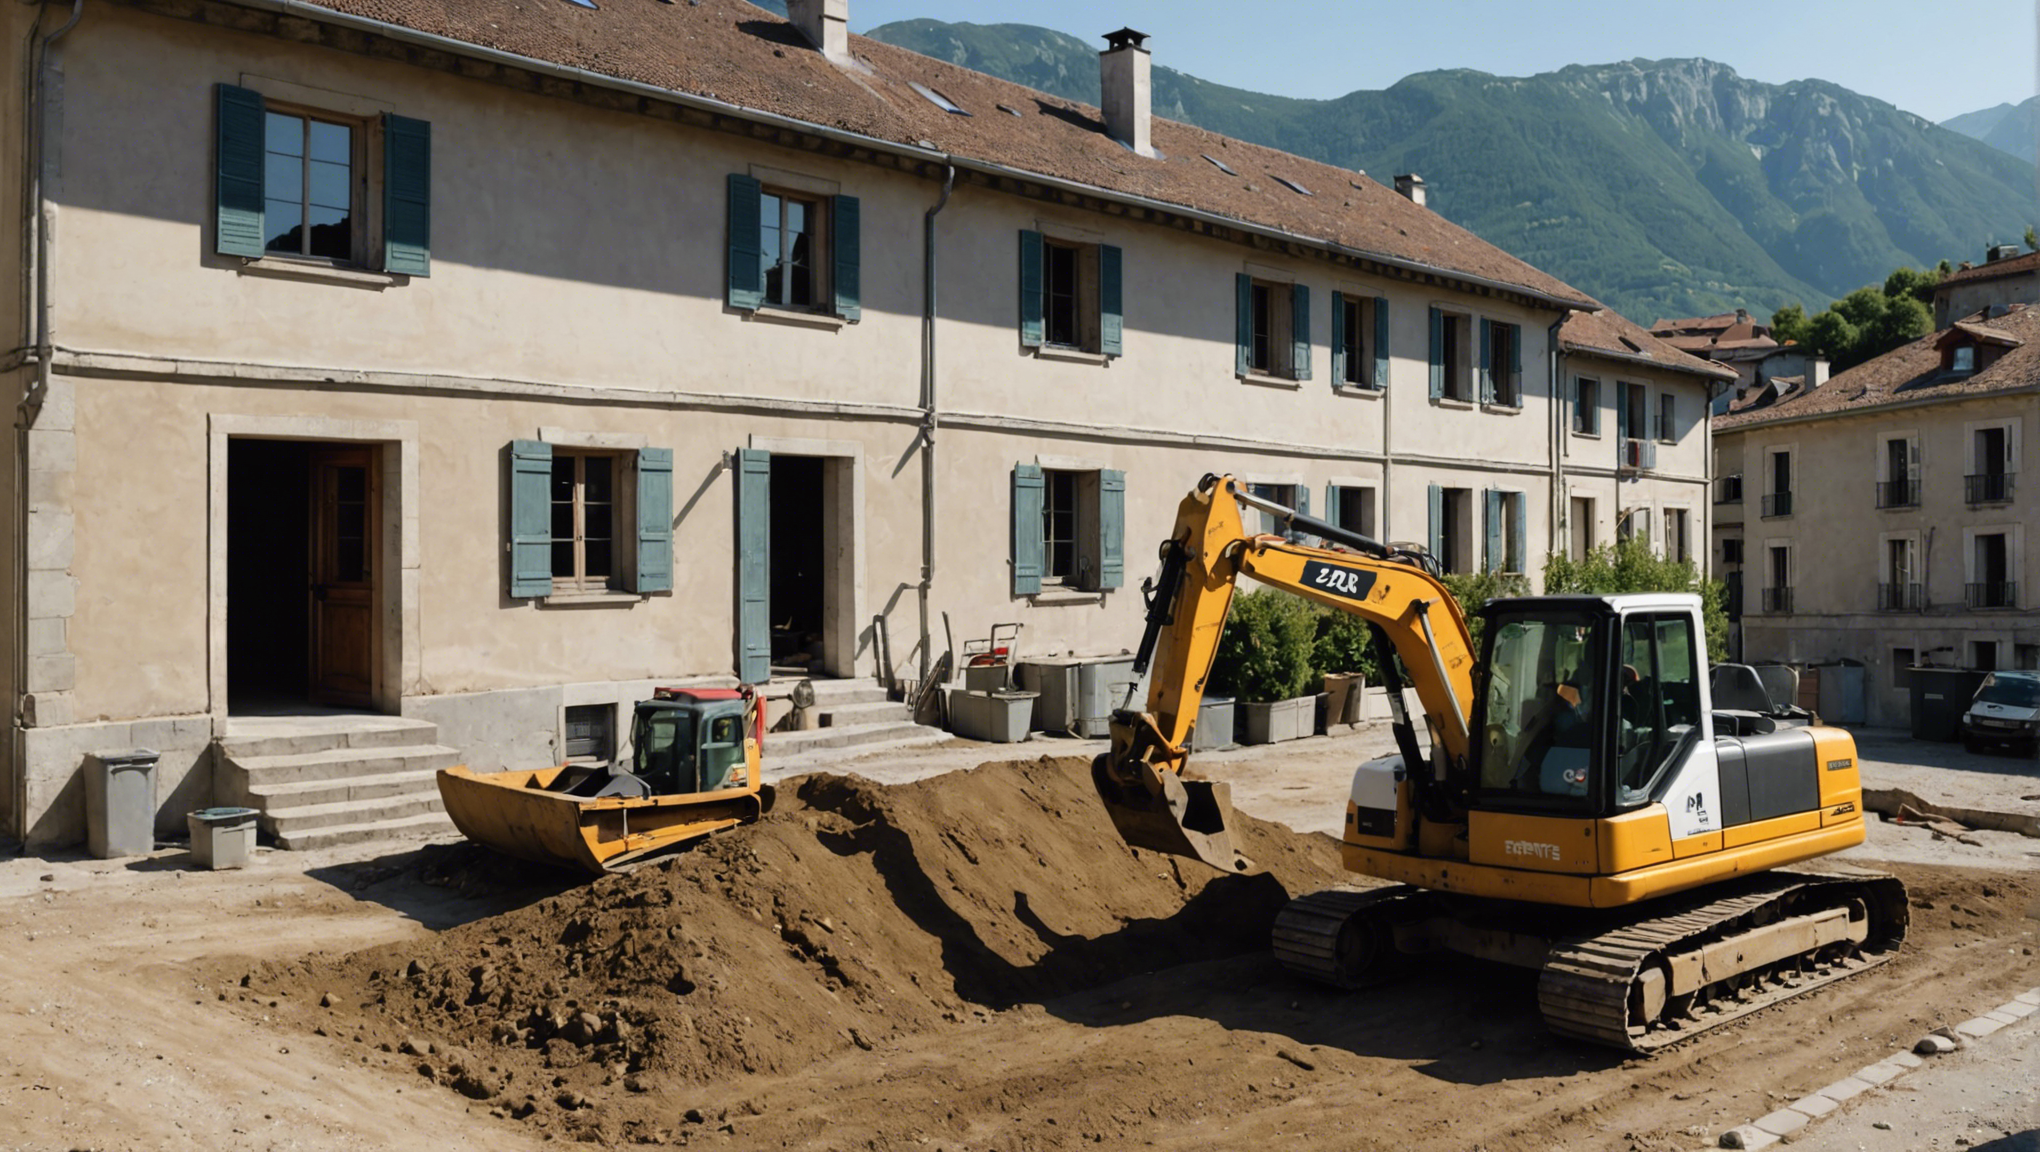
(928,415)
(1560,506)
(37,326)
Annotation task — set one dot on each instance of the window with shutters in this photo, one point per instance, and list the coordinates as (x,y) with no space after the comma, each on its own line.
(297,183)
(1059,527)
(1359,341)
(1353,508)
(1678,543)
(1287,495)
(584,499)
(588,521)
(1269,345)
(1452,355)
(1667,418)
(1506,528)
(1586,408)
(1452,528)
(1070,295)
(1068,529)
(793,249)
(1502,364)
(792,239)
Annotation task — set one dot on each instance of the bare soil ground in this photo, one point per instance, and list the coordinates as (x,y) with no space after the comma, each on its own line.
(965,961)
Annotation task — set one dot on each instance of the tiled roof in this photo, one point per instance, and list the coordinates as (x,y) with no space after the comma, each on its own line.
(2012,267)
(1983,332)
(1910,373)
(1609,333)
(734,53)
(1693,323)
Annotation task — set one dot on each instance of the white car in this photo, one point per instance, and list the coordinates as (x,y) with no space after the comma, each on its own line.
(2006,710)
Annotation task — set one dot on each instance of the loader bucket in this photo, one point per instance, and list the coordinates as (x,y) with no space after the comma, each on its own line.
(1189,818)
(519,814)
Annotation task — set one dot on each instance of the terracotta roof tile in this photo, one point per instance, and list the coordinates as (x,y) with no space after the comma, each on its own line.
(1609,333)
(732,52)
(1908,374)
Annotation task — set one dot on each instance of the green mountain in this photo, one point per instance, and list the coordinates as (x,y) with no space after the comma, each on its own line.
(2011,128)
(1666,188)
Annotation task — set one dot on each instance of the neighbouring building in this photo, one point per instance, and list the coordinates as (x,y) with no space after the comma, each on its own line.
(482,365)
(2006,276)
(1879,517)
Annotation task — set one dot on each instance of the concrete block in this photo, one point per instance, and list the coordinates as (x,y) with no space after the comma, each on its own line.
(50,490)
(1979,1027)
(1815,1106)
(1783,1122)
(57,673)
(52,540)
(1879,1073)
(48,709)
(2001,1016)
(1847,1088)
(2032,997)
(52,594)
(1934,1045)
(52,451)
(1747,1136)
(1904,1060)
(512,728)
(2016,1009)
(49,636)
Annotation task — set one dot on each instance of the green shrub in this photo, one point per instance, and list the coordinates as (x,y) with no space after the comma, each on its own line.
(1343,643)
(1630,566)
(1264,654)
(1473,589)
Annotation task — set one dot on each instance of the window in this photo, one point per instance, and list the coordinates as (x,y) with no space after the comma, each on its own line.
(1962,359)
(793,249)
(1898,590)
(1634,525)
(2026,657)
(1900,487)
(1450,378)
(1778,501)
(590,731)
(1452,528)
(1289,496)
(1983,655)
(1359,341)
(1778,594)
(1582,523)
(1902,661)
(1274,329)
(1990,475)
(1352,508)
(1677,546)
(1658,701)
(1070,295)
(588,521)
(1504,550)
(1543,710)
(1501,364)
(1068,529)
(1731,550)
(1990,583)
(1667,419)
(291,183)
(1586,411)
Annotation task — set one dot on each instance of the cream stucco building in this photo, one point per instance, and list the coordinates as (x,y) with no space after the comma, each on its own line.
(485,367)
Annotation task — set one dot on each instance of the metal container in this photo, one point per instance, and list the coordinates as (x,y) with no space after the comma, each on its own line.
(1214,729)
(120,803)
(221,837)
(1939,698)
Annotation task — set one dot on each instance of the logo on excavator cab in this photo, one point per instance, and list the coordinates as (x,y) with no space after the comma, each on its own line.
(1346,582)
(1530,848)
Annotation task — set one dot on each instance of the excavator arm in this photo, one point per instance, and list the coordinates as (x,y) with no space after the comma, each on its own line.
(1207,553)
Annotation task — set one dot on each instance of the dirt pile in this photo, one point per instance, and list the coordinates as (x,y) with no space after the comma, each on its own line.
(854,915)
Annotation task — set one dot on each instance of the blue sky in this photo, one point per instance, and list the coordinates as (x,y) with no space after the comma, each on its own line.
(1936,60)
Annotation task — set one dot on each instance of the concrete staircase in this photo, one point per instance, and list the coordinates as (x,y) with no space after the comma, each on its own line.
(854,718)
(335,779)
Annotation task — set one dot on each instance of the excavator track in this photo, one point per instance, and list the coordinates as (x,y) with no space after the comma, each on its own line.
(1341,936)
(1612,987)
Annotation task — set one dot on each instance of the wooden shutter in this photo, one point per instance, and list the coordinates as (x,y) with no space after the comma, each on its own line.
(1437,516)
(1296,535)
(754,566)
(1380,379)
(1519,522)
(1243,322)
(1111,528)
(654,520)
(1491,550)
(238,136)
(1338,340)
(1029,490)
(1487,355)
(530,519)
(746,284)
(847,249)
(1032,330)
(407,195)
(1621,416)
(1437,354)
(1516,363)
(1299,331)
(1111,317)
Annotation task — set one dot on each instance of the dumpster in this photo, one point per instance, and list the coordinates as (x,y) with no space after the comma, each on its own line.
(1939,698)
(120,803)
(221,837)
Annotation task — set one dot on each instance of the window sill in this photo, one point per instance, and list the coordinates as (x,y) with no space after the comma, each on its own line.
(288,269)
(1055,597)
(1264,380)
(1368,391)
(1452,402)
(577,599)
(1586,435)
(1501,409)
(1073,355)
(798,318)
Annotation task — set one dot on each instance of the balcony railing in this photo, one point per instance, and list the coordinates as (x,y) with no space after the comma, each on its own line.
(2001,594)
(1638,454)
(1898,493)
(1728,489)
(1989,488)
(1898,598)
(1778,504)
(1777,599)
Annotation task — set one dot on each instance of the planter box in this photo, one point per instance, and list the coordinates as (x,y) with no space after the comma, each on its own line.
(1282,720)
(1214,725)
(1342,697)
(1000,717)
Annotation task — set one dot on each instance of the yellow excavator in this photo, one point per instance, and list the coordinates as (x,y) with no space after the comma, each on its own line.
(1582,807)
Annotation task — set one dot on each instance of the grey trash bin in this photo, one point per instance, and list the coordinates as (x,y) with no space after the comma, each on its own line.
(120,803)
(221,837)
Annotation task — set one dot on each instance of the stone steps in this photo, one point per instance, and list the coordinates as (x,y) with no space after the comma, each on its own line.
(324,780)
(381,829)
(818,745)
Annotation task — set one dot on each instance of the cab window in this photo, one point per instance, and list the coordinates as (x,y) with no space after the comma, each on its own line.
(1658,686)
(1542,710)
(722,754)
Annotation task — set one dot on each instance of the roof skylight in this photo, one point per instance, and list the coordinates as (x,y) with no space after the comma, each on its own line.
(1010,111)
(937,98)
(1219,164)
(1293,186)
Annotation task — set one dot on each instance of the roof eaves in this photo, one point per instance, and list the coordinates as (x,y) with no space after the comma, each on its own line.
(1758,420)
(1699,368)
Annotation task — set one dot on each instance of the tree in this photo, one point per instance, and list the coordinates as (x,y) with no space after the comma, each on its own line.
(2032,245)
(1904,321)
(1630,566)
(1788,325)
(1831,335)
(1473,589)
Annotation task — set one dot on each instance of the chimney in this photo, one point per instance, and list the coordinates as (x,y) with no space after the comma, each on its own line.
(2000,252)
(1742,315)
(826,24)
(1123,74)
(1411,186)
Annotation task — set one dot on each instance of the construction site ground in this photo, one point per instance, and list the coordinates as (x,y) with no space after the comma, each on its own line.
(939,948)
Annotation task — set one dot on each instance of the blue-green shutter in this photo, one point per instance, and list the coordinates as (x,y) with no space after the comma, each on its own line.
(654,520)
(1437,496)
(1380,342)
(1437,354)
(848,251)
(1491,551)
(1302,509)
(1243,323)
(1032,330)
(1487,356)
(1516,359)
(1621,415)
(1029,490)
(1111,317)
(754,566)
(746,285)
(1519,521)
(1335,504)
(530,519)
(238,132)
(1111,528)
(1568,401)
(407,195)
(1299,330)
(1338,340)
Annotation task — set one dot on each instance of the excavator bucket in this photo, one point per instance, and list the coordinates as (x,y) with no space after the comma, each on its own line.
(1166,813)
(523,814)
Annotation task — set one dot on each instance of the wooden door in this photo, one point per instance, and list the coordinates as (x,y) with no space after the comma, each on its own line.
(343,587)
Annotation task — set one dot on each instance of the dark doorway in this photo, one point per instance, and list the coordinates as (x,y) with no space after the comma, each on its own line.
(798,576)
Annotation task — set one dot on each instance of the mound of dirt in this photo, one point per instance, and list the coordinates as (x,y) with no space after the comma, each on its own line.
(854,914)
